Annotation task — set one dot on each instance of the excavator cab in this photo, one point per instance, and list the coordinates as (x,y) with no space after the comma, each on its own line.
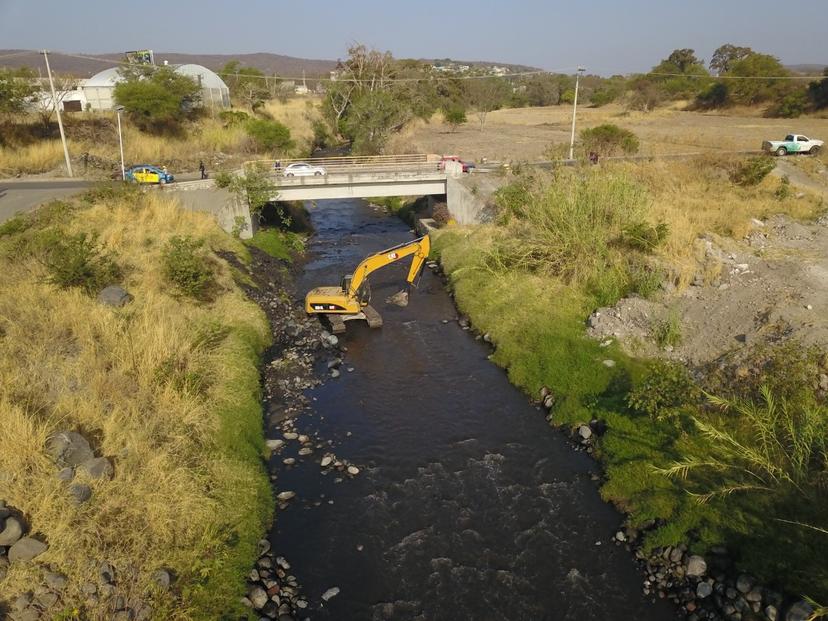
(351,299)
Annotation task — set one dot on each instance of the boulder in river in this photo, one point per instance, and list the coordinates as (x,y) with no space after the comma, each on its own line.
(696,566)
(398,299)
(286,495)
(332,592)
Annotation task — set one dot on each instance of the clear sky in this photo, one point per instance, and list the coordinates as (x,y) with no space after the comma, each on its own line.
(606,36)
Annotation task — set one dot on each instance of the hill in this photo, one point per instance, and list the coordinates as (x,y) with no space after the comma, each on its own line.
(84,65)
(808,68)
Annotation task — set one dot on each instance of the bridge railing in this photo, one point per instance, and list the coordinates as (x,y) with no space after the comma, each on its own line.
(340,162)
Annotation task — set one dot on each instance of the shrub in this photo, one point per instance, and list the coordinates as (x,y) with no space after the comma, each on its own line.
(784,189)
(752,171)
(644,236)
(232,118)
(269,135)
(644,279)
(455,117)
(186,266)
(667,332)
(609,139)
(791,106)
(663,391)
(76,260)
(714,96)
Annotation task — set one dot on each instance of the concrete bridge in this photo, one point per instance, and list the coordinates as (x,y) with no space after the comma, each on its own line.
(341,178)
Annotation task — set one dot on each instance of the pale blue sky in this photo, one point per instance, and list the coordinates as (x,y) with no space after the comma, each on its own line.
(606,36)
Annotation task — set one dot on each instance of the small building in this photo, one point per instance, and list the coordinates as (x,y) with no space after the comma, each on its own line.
(98,90)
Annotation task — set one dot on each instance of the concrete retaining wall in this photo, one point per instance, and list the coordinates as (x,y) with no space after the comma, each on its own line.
(231,214)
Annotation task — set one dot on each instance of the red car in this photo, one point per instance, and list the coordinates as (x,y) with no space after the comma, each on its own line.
(467,166)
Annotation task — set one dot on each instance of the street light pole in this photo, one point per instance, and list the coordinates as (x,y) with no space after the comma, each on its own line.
(118,110)
(574,111)
(60,121)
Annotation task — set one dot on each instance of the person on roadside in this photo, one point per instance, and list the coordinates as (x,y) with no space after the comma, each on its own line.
(593,157)
(202,169)
(277,166)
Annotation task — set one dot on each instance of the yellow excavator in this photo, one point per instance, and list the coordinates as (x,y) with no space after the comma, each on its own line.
(350,300)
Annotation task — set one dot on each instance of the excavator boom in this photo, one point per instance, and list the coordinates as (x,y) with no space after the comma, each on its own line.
(350,300)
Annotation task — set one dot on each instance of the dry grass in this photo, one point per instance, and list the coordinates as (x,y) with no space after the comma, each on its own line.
(188,480)
(696,198)
(297,114)
(526,134)
(34,158)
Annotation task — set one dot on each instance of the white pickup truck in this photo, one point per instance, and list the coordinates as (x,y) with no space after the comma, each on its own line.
(793,143)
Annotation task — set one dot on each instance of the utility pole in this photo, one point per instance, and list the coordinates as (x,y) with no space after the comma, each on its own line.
(574,111)
(57,110)
(118,110)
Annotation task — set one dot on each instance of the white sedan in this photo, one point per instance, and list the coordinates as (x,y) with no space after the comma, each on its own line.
(303,169)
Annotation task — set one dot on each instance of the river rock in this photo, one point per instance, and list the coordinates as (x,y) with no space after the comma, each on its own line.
(285,496)
(585,432)
(12,531)
(696,566)
(744,583)
(290,435)
(335,373)
(26,549)
(704,589)
(304,439)
(399,299)
(771,612)
(800,611)
(353,470)
(80,493)
(327,460)
(275,444)
(56,581)
(69,448)
(754,595)
(258,597)
(116,296)
(97,468)
(332,592)
(288,461)
(46,600)
(162,578)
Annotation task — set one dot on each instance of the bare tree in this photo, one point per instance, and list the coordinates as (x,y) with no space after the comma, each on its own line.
(487,94)
(45,105)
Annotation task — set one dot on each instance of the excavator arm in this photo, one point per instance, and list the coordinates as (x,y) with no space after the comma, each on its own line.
(349,301)
(419,248)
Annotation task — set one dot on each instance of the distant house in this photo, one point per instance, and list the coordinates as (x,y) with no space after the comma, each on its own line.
(98,90)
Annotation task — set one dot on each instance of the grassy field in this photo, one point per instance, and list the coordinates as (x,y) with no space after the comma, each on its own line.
(166,387)
(209,139)
(528,134)
(564,245)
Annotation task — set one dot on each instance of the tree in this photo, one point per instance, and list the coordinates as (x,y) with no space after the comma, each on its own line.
(45,104)
(680,75)
(269,135)
(17,87)
(727,54)
(455,117)
(756,90)
(246,83)
(818,92)
(486,95)
(157,99)
(371,119)
(255,186)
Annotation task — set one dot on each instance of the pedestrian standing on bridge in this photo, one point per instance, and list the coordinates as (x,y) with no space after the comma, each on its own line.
(202,169)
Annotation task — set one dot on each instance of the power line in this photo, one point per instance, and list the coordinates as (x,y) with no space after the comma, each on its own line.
(736,77)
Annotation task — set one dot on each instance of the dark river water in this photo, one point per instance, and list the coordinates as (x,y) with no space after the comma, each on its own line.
(468,506)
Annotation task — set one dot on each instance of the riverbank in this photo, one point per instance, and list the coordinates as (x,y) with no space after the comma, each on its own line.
(132,469)
(561,249)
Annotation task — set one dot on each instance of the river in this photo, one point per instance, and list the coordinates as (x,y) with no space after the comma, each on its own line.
(468,506)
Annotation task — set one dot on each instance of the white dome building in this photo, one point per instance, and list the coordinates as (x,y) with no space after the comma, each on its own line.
(99,88)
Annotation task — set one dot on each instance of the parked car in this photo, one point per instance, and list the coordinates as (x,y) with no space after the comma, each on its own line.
(793,143)
(144,173)
(303,169)
(467,166)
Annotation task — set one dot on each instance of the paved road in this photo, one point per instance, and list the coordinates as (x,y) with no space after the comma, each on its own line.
(17,196)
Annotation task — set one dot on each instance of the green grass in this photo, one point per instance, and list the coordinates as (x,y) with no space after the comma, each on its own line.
(279,244)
